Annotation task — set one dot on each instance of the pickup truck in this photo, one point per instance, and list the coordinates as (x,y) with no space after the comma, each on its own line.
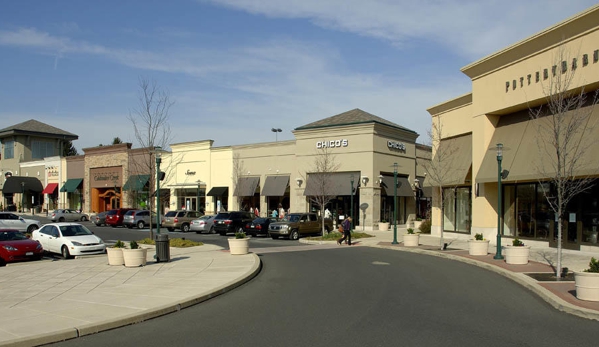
(296,224)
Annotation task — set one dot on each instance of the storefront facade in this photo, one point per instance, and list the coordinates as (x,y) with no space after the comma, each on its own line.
(507,88)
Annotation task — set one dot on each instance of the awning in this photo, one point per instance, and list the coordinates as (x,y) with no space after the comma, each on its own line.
(136,182)
(403,186)
(71,185)
(427,191)
(218,191)
(331,183)
(18,184)
(455,163)
(50,188)
(275,185)
(246,186)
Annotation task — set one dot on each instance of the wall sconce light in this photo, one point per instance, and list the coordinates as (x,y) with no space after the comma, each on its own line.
(380,179)
(299,181)
(364,180)
(416,183)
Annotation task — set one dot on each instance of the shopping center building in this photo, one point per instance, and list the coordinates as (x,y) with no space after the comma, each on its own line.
(508,87)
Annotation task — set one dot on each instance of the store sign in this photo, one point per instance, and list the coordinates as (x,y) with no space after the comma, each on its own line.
(332,143)
(106,177)
(394,145)
(190,173)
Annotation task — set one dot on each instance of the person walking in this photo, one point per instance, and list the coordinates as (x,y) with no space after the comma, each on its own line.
(346,231)
(275,214)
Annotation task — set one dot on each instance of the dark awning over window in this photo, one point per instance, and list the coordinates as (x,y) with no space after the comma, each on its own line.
(136,182)
(50,188)
(403,186)
(18,184)
(455,160)
(71,185)
(331,184)
(275,185)
(246,186)
(218,191)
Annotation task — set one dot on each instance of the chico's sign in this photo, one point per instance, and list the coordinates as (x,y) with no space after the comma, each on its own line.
(332,143)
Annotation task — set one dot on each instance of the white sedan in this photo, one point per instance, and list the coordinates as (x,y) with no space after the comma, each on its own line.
(68,239)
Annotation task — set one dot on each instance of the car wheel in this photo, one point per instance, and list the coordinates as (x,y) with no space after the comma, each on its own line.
(294,235)
(274,237)
(113,225)
(141,225)
(185,228)
(84,219)
(65,252)
(2,262)
(31,228)
(129,226)
(212,230)
(222,233)
(61,219)
(170,229)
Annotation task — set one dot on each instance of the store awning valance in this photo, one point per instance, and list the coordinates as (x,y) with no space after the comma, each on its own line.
(50,188)
(136,182)
(218,191)
(275,185)
(246,186)
(18,184)
(71,185)
(455,164)
(403,186)
(331,183)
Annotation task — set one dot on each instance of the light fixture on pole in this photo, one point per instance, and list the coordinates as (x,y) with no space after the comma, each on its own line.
(22,196)
(500,175)
(276,131)
(158,177)
(395,204)
(351,204)
(198,197)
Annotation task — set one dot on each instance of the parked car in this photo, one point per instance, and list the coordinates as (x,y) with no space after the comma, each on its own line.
(204,223)
(295,225)
(179,219)
(10,220)
(232,222)
(114,218)
(99,219)
(259,226)
(68,215)
(68,239)
(138,218)
(16,246)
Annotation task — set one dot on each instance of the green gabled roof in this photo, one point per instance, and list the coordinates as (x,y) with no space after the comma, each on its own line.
(353,117)
(33,127)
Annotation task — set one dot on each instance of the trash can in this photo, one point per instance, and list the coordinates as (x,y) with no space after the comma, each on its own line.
(163,251)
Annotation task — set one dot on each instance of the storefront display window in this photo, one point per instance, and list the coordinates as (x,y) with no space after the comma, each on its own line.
(456,209)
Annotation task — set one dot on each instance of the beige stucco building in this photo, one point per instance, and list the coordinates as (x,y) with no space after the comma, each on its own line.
(506,87)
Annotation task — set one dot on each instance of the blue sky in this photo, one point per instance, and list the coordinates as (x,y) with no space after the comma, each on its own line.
(237,68)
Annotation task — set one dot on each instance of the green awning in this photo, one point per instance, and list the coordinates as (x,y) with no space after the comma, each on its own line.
(71,185)
(136,182)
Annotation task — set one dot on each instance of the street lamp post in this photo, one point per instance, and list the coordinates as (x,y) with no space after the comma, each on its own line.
(276,131)
(198,197)
(22,196)
(395,204)
(499,158)
(158,161)
(351,203)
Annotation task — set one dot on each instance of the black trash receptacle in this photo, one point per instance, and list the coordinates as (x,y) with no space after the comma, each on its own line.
(163,251)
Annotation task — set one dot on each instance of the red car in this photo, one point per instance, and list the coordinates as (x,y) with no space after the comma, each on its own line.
(114,218)
(15,246)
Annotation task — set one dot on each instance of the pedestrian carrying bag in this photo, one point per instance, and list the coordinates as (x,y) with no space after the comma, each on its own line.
(341,229)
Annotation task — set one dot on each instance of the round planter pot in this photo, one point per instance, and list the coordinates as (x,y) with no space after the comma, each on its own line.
(517,255)
(411,240)
(417,224)
(239,246)
(383,226)
(587,285)
(478,247)
(115,256)
(135,257)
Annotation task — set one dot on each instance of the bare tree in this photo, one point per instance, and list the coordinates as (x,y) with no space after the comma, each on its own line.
(440,168)
(238,171)
(322,185)
(564,127)
(151,125)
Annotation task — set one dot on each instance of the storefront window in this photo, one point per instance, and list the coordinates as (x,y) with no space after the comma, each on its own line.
(449,209)
(456,209)
(9,149)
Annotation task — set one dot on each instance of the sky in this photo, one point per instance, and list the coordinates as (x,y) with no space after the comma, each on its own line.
(235,69)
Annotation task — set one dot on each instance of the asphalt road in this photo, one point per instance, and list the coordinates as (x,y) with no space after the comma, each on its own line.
(362,296)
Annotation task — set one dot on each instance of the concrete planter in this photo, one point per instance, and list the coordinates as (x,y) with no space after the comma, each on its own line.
(517,255)
(478,247)
(383,226)
(115,256)
(417,224)
(411,240)
(135,257)
(239,246)
(587,285)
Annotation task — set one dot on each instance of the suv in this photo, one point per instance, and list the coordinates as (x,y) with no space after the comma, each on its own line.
(295,225)
(232,222)
(179,219)
(114,218)
(137,218)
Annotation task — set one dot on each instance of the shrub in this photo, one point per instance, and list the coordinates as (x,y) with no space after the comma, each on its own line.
(133,245)
(517,242)
(425,227)
(410,231)
(119,244)
(240,235)
(479,237)
(593,266)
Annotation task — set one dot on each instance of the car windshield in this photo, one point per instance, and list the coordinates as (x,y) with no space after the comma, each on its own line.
(222,216)
(171,214)
(111,212)
(74,230)
(259,220)
(291,218)
(12,236)
(130,213)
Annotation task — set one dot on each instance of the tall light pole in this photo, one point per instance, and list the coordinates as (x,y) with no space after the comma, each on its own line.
(499,158)
(395,204)
(198,196)
(351,208)
(157,150)
(276,131)
(23,197)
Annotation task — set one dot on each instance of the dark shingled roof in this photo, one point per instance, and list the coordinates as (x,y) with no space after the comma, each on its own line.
(34,127)
(355,116)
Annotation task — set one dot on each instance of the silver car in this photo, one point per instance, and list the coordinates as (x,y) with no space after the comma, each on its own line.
(68,215)
(10,220)
(203,224)
(139,219)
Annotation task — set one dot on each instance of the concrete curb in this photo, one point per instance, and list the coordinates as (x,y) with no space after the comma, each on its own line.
(93,328)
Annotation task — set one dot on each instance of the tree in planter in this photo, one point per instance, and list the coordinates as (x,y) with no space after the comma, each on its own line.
(237,178)
(565,128)
(321,181)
